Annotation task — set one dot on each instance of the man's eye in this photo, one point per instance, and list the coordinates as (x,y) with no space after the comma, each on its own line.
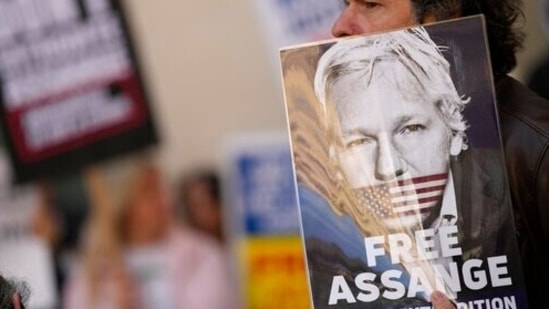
(357,142)
(369,4)
(413,128)
(345,3)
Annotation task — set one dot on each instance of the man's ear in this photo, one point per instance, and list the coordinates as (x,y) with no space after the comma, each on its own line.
(456,144)
(16,301)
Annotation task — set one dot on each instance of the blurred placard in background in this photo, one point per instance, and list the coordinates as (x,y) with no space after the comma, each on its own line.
(71,92)
(289,22)
(263,221)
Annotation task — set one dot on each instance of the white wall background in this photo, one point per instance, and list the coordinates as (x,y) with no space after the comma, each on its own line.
(208,74)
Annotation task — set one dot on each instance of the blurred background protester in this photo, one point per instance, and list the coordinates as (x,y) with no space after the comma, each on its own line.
(45,225)
(25,251)
(57,219)
(200,202)
(138,255)
(45,222)
(13,294)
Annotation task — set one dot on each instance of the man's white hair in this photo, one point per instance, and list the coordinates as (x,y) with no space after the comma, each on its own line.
(414,49)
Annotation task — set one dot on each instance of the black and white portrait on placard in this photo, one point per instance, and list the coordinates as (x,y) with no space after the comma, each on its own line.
(399,168)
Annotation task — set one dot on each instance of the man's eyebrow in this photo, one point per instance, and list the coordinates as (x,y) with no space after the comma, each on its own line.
(402,120)
(357,132)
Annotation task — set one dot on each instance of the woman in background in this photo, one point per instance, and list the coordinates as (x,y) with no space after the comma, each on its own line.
(201,202)
(139,257)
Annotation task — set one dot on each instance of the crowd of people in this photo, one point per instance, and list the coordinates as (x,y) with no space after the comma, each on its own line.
(143,246)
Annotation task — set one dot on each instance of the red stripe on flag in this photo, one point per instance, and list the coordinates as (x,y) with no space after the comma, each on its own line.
(423,179)
(417,191)
(419,201)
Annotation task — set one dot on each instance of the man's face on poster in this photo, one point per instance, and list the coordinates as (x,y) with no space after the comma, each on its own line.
(394,147)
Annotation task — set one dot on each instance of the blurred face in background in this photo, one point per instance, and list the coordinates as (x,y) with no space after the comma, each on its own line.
(147,217)
(202,204)
(202,207)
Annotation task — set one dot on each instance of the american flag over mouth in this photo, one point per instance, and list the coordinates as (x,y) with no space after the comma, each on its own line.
(403,197)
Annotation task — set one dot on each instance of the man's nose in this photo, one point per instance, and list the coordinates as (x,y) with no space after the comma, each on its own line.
(347,23)
(389,163)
